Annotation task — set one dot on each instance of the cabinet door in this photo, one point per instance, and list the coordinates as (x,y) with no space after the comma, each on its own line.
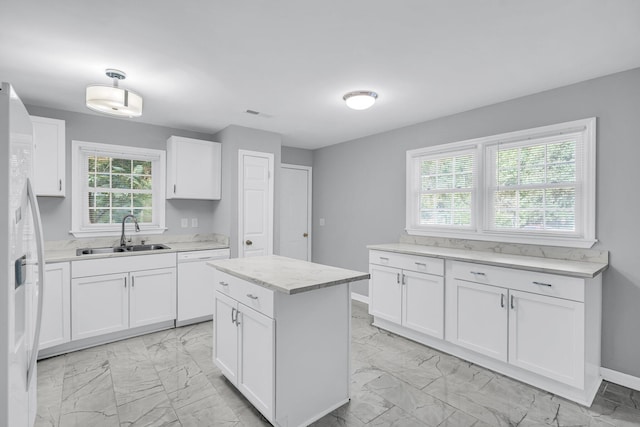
(256,366)
(152,297)
(195,290)
(194,169)
(56,306)
(49,156)
(423,303)
(385,293)
(99,305)
(225,336)
(480,318)
(546,336)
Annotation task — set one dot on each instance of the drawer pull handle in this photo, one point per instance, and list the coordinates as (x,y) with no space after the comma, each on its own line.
(398,279)
(133,283)
(224,283)
(479,273)
(513,306)
(252,296)
(502,300)
(542,284)
(233,317)
(404,279)
(421,263)
(125,282)
(60,185)
(382,258)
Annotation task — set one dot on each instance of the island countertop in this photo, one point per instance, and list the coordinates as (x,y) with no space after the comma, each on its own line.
(287,275)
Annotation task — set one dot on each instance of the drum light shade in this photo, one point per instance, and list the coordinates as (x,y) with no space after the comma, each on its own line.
(113,100)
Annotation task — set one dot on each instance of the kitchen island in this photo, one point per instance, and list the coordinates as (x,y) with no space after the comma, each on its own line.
(282,334)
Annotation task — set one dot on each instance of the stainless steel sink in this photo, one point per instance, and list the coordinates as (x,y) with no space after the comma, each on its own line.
(136,248)
(109,250)
(91,251)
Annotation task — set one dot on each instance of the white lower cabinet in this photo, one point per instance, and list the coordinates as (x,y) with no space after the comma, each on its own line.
(287,354)
(245,351)
(56,306)
(111,295)
(543,329)
(152,297)
(100,305)
(409,298)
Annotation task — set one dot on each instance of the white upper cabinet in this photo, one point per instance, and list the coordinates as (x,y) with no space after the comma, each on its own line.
(49,158)
(193,169)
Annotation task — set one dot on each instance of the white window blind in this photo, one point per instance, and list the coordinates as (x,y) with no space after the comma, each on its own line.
(446,189)
(535,185)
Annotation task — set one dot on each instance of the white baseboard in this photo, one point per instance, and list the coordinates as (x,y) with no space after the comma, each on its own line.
(620,378)
(359,297)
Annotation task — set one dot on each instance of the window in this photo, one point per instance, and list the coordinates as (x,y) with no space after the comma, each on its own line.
(446,189)
(537,186)
(110,182)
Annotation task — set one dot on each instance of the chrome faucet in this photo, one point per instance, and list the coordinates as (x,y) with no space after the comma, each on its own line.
(123,241)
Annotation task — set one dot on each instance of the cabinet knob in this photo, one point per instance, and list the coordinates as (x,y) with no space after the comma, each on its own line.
(305,235)
(248,243)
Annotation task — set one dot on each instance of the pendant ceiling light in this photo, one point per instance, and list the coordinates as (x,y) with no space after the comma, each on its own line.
(112,99)
(360,99)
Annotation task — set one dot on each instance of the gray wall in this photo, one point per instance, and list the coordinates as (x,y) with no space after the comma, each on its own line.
(225,213)
(359,188)
(56,211)
(297,156)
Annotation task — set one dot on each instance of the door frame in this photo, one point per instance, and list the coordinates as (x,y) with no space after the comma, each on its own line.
(309,169)
(270,158)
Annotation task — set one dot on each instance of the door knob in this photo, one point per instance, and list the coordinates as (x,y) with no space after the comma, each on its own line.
(305,235)
(248,243)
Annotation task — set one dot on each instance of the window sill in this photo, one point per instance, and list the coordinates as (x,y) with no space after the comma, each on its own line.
(118,232)
(567,242)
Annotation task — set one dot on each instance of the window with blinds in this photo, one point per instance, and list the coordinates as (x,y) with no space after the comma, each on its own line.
(446,189)
(111,182)
(534,186)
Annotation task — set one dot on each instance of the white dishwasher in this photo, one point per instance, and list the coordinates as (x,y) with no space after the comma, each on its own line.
(195,285)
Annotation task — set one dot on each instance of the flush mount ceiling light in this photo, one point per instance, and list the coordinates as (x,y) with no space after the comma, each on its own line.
(360,99)
(112,99)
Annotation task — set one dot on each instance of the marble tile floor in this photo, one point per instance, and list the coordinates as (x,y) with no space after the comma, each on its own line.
(168,379)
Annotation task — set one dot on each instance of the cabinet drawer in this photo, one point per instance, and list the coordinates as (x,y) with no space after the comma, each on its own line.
(121,264)
(417,263)
(528,281)
(247,293)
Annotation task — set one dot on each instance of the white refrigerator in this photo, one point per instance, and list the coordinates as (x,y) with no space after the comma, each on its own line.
(21,265)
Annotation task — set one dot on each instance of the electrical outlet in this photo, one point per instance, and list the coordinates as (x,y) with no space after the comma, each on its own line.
(194,222)
(321,222)
(184,222)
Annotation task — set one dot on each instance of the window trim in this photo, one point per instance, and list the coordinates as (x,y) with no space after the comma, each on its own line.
(482,231)
(158,157)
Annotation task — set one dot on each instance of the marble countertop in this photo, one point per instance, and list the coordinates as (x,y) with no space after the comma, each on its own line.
(69,254)
(580,269)
(287,275)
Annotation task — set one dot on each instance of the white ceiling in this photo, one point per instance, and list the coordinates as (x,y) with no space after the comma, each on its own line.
(201,63)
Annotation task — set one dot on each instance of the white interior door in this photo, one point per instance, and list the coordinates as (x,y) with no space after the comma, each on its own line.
(255,203)
(295,212)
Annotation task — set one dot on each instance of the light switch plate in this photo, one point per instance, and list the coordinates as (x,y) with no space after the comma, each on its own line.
(184,222)
(194,222)
(321,222)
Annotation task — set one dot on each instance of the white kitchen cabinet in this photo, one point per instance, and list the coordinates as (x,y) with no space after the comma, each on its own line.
(546,336)
(245,351)
(288,354)
(120,293)
(193,169)
(480,319)
(100,305)
(400,293)
(49,156)
(152,296)
(56,306)
(195,285)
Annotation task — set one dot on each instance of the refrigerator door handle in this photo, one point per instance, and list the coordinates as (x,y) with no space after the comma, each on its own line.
(37,225)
